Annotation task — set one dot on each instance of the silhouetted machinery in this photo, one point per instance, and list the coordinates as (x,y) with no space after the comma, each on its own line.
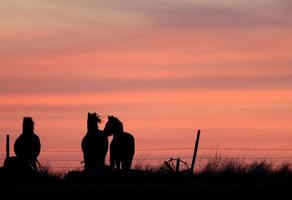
(175,166)
(179,166)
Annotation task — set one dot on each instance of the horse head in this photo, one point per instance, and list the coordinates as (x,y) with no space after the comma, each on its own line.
(113,126)
(92,122)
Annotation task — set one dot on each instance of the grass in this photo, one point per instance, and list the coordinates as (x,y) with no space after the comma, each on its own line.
(231,179)
(240,168)
(216,167)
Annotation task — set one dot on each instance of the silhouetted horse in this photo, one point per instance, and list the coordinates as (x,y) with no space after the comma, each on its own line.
(27,146)
(94,144)
(122,147)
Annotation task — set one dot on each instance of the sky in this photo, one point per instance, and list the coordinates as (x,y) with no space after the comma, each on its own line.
(166,68)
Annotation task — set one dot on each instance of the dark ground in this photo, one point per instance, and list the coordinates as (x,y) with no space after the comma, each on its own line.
(147,185)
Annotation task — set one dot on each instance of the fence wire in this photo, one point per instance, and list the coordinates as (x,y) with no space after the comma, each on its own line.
(147,158)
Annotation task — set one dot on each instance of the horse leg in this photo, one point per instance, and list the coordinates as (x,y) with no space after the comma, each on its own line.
(118,162)
(130,164)
(112,162)
(126,165)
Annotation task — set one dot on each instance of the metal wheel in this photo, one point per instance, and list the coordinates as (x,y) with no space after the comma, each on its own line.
(175,166)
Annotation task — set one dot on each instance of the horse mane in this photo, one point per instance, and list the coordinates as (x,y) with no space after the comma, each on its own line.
(116,123)
(92,120)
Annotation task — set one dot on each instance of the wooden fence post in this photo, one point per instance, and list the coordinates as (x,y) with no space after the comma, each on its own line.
(7,146)
(177,165)
(195,151)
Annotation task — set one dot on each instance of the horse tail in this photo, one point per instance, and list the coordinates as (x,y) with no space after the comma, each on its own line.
(39,166)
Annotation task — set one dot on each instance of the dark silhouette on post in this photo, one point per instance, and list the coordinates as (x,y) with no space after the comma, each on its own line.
(27,148)
(94,145)
(122,147)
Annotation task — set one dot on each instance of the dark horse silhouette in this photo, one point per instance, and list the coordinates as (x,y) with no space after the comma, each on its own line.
(122,147)
(94,144)
(27,148)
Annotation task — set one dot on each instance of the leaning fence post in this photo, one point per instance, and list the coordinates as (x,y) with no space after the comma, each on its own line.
(195,151)
(177,165)
(7,146)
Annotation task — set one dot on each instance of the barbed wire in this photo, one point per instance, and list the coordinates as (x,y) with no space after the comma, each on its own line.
(201,158)
(181,148)
(183,157)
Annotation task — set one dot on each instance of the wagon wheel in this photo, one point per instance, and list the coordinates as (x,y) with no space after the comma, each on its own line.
(175,166)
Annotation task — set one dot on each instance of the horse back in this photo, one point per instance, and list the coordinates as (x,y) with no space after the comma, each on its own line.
(131,143)
(123,147)
(94,144)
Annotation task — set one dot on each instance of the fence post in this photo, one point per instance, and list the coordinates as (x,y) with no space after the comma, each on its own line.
(7,146)
(177,165)
(195,151)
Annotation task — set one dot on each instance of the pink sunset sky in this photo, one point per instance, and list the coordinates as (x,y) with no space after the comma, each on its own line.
(164,67)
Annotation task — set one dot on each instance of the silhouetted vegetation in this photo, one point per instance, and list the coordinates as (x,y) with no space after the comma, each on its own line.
(241,169)
(217,178)
(214,168)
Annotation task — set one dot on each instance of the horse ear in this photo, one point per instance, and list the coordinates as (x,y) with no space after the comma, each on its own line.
(88,114)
